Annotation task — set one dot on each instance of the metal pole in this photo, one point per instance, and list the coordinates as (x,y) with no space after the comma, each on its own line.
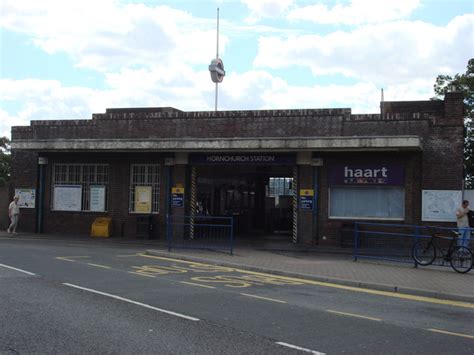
(356,240)
(39,227)
(295,204)
(217,56)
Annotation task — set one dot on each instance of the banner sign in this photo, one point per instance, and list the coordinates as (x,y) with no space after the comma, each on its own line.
(389,175)
(242,159)
(306,199)
(143,199)
(177,197)
(27,197)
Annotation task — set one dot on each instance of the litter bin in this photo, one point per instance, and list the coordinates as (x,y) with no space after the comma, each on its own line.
(102,227)
(145,227)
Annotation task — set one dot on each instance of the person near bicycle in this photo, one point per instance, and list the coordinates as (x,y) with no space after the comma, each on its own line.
(463,224)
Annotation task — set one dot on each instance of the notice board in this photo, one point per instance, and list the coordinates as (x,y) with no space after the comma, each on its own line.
(67,198)
(440,205)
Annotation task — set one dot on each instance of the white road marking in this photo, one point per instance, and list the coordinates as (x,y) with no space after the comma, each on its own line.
(193,284)
(98,265)
(353,315)
(452,333)
(262,298)
(20,270)
(133,302)
(300,348)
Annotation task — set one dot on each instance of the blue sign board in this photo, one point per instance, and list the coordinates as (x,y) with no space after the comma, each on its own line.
(242,159)
(177,197)
(306,203)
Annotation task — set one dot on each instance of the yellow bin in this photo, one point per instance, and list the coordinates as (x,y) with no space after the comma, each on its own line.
(102,227)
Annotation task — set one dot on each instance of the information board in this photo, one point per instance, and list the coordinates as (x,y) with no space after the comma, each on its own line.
(440,205)
(306,199)
(177,197)
(27,197)
(67,198)
(97,198)
(143,199)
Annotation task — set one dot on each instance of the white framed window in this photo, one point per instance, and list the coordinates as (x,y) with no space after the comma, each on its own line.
(280,186)
(82,177)
(367,202)
(146,175)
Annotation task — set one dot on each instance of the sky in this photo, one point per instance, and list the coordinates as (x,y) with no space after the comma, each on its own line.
(69,59)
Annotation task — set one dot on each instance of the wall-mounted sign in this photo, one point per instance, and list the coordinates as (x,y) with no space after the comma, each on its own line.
(440,205)
(306,199)
(143,199)
(97,198)
(27,197)
(67,198)
(177,197)
(381,174)
(242,159)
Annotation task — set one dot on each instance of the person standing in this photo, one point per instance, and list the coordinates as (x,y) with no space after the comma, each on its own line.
(14,214)
(463,224)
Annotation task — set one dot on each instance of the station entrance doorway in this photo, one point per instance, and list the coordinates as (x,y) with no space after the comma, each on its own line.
(259,198)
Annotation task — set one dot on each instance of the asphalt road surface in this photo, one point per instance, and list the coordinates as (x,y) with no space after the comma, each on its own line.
(72,297)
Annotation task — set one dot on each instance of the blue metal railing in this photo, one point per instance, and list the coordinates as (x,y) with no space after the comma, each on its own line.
(200,232)
(394,242)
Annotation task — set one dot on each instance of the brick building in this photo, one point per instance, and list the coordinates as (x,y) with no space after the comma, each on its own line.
(125,163)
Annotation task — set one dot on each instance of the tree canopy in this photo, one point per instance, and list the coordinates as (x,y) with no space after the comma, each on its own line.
(5,160)
(463,83)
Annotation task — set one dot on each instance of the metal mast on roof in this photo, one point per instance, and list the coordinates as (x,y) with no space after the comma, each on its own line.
(216,68)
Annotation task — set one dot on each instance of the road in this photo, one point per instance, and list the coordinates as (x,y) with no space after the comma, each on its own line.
(73,297)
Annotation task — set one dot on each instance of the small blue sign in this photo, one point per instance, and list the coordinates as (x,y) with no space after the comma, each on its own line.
(306,203)
(177,200)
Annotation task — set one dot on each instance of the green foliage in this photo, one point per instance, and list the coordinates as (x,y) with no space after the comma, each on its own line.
(5,160)
(465,84)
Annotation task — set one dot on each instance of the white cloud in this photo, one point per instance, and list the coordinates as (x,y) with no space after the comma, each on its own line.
(265,8)
(107,35)
(356,12)
(391,53)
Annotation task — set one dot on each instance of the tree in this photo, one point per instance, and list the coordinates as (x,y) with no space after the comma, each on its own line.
(5,160)
(465,84)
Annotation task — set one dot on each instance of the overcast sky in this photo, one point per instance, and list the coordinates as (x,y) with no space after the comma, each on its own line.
(68,59)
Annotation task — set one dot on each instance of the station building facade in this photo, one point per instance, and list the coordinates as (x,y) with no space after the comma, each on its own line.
(295,175)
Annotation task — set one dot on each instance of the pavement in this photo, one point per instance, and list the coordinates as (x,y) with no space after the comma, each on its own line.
(332,265)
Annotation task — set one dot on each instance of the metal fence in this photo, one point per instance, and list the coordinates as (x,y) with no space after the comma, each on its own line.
(200,232)
(394,242)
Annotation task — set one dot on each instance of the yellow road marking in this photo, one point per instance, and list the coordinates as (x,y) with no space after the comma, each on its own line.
(193,284)
(141,274)
(452,333)
(102,266)
(262,298)
(341,287)
(71,258)
(352,315)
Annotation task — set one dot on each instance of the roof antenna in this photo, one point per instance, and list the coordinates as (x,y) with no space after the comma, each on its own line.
(381,102)
(216,68)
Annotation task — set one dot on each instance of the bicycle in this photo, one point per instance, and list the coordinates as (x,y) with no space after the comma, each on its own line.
(425,251)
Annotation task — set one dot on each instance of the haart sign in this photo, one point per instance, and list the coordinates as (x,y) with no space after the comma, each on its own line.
(391,175)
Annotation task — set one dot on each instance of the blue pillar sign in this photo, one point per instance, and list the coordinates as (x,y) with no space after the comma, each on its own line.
(306,199)
(177,196)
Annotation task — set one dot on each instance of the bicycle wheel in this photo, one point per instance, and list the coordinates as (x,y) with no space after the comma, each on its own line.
(461,259)
(424,252)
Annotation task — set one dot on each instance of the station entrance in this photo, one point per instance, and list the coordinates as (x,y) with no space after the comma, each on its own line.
(259,198)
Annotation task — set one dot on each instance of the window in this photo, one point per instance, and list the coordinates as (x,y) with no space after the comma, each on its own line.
(145,175)
(380,202)
(280,186)
(83,176)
